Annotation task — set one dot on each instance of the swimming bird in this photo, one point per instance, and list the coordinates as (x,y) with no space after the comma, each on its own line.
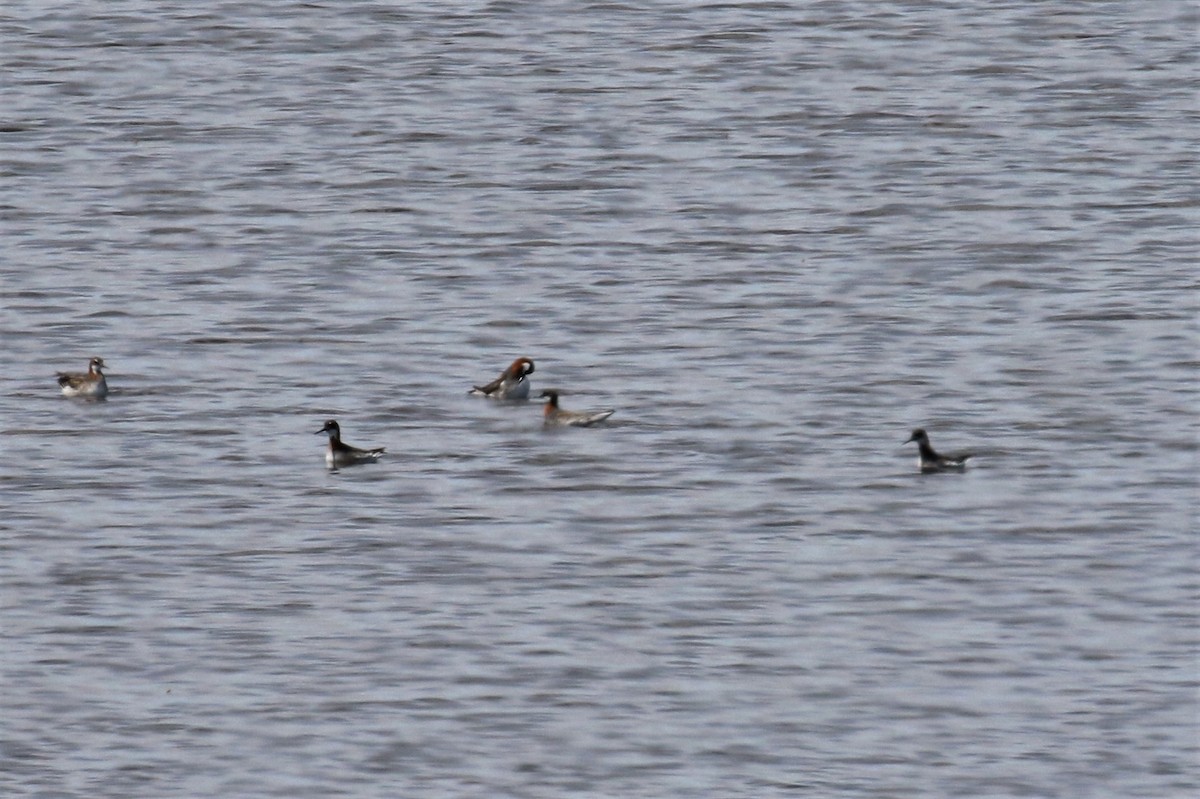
(341,454)
(510,385)
(554,416)
(92,384)
(931,461)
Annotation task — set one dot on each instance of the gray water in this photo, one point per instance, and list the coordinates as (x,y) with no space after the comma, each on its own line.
(775,237)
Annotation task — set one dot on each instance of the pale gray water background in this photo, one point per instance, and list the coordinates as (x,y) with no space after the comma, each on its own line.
(774,236)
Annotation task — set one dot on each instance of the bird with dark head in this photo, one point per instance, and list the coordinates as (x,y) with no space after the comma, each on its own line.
(930,460)
(340,454)
(554,416)
(91,384)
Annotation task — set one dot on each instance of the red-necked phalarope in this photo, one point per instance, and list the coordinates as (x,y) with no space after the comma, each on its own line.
(510,385)
(339,454)
(931,461)
(556,416)
(92,384)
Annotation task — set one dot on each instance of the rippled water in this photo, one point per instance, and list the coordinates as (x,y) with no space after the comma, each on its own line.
(774,236)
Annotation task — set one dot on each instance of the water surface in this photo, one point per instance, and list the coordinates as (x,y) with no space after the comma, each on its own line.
(775,237)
